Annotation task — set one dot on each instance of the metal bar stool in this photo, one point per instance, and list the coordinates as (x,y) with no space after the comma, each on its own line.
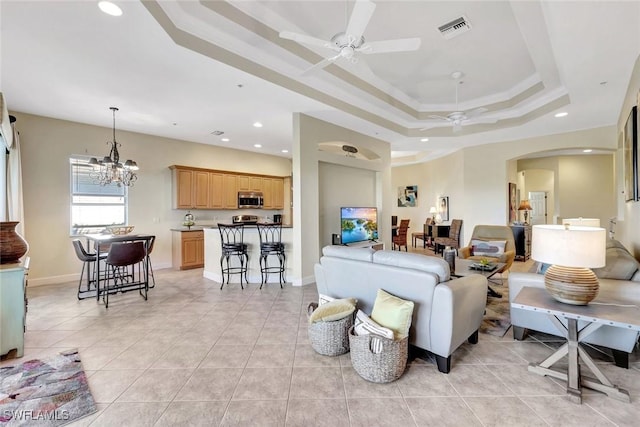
(271,244)
(232,241)
(87,259)
(121,256)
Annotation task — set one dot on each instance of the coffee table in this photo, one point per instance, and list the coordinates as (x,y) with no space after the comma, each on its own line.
(600,312)
(463,268)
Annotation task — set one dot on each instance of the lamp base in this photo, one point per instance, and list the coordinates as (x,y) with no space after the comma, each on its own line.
(571,285)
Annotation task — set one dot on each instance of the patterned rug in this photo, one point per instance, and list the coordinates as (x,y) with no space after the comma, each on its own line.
(47,392)
(497,318)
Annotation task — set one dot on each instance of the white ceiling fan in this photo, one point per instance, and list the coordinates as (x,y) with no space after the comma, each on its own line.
(459,118)
(350,43)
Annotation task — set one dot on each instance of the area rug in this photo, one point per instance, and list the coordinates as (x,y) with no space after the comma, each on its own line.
(45,392)
(497,317)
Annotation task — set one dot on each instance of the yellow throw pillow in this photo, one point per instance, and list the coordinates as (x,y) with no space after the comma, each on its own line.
(333,310)
(393,313)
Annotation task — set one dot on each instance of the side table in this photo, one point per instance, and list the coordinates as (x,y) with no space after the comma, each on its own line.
(596,315)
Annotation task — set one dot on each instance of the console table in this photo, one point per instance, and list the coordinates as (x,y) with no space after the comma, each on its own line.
(595,315)
(13,306)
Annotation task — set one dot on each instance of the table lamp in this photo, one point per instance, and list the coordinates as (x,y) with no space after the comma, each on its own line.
(433,213)
(582,222)
(526,207)
(572,251)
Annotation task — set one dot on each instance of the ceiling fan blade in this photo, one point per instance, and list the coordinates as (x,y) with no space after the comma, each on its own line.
(304,39)
(476,112)
(398,45)
(319,65)
(488,120)
(360,16)
(433,116)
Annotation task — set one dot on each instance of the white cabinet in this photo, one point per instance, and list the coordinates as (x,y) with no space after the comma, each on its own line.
(12,308)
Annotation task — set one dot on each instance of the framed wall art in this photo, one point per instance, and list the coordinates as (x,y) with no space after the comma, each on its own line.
(630,156)
(408,196)
(443,208)
(513,203)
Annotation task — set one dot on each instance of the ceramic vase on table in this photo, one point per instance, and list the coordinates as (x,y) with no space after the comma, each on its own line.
(12,245)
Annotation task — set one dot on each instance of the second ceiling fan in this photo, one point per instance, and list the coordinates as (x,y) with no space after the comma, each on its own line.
(350,43)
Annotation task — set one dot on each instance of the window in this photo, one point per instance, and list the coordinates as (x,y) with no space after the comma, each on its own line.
(93,206)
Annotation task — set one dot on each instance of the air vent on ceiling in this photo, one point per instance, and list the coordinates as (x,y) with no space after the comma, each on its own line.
(217,132)
(455,27)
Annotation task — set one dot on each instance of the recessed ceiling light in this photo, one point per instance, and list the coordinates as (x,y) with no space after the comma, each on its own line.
(224,139)
(257,145)
(561,114)
(257,125)
(110,8)
(285,151)
(588,150)
(424,139)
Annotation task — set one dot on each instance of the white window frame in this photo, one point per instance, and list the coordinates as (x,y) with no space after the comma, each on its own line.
(110,191)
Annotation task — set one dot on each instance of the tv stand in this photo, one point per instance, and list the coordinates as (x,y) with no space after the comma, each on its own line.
(376,246)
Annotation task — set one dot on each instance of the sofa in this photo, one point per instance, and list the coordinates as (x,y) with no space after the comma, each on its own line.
(619,282)
(446,312)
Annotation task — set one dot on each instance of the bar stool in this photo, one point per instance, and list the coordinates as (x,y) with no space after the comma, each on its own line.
(122,255)
(232,241)
(87,259)
(271,244)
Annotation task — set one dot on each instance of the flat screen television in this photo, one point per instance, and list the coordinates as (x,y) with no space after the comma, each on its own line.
(358,224)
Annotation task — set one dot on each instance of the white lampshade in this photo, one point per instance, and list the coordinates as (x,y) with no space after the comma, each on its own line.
(582,222)
(570,246)
(433,210)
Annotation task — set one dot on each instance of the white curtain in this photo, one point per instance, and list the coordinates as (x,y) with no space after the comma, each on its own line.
(14,183)
(12,206)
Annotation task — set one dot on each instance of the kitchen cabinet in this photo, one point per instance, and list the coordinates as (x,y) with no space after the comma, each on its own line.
(197,188)
(522,237)
(216,190)
(230,188)
(187,249)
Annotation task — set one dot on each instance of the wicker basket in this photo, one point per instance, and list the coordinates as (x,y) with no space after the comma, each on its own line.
(330,338)
(383,367)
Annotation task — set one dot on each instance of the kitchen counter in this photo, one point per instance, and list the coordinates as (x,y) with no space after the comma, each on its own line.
(213,251)
(194,228)
(215,227)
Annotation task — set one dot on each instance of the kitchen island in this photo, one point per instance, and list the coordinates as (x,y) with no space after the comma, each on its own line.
(213,251)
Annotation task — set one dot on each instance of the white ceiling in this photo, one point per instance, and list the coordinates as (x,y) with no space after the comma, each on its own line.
(185,69)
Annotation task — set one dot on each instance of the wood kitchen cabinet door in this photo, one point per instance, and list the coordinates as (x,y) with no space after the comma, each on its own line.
(255,183)
(184,189)
(278,193)
(216,190)
(267,193)
(243,183)
(230,189)
(201,190)
(188,249)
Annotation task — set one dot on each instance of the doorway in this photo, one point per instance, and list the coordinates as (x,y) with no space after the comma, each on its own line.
(538,202)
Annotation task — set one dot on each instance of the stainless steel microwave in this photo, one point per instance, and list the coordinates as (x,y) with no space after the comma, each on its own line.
(250,200)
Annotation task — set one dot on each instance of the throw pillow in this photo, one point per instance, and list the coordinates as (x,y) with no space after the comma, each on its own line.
(393,313)
(334,310)
(323,299)
(365,326)
(488,248)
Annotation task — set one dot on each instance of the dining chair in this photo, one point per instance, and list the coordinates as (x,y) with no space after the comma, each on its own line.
(271,245)
(88,259)
(453,239)
(148,260)
(400,239)
(121,256)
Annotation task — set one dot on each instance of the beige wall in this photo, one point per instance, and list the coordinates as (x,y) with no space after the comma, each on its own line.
(628,226)
(47,145)
(476,178)
(307,185)
(539,180)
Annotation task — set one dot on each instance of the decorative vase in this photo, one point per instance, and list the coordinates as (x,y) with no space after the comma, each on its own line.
(12,245)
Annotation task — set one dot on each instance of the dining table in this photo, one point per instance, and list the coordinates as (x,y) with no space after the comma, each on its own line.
(101,242)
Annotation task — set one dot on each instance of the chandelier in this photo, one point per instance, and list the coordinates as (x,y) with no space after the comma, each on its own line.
(109,169)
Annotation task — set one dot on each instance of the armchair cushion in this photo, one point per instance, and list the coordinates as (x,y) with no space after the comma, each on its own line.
(488,248)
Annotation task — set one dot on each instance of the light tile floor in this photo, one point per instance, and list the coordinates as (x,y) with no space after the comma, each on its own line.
(195,355)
